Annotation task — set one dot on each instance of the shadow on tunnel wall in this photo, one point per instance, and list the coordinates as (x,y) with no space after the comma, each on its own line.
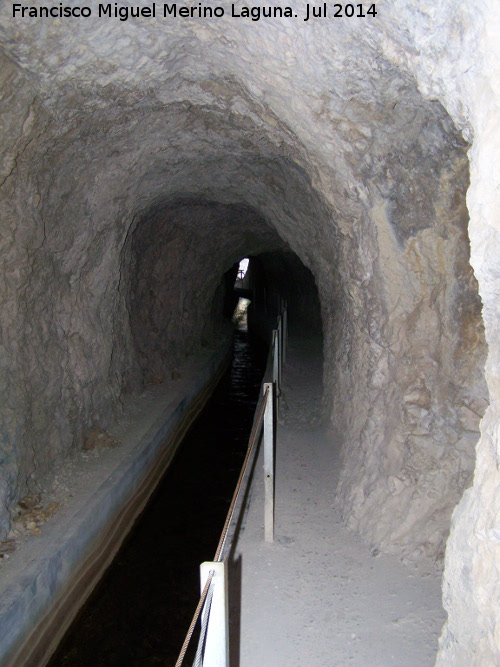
(278,277)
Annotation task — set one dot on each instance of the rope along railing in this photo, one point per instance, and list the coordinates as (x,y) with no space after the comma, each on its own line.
(213,642)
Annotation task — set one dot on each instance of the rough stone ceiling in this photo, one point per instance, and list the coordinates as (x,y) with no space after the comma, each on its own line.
(157,109)
(325,96)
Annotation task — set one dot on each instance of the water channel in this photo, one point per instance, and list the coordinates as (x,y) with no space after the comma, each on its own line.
(140,611)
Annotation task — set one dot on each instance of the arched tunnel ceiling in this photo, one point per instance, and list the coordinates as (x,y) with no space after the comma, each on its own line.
(175,261)
(311,161)
(156,95)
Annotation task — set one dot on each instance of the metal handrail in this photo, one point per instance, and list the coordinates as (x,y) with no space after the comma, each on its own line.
(254,436)
(199,608)
(265,398)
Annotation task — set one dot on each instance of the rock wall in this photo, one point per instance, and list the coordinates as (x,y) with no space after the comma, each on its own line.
(454,52)
(32,376)
(419,350)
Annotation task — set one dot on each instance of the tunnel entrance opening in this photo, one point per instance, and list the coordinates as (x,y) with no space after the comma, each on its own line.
(244,293)
(181,261)
(242,270)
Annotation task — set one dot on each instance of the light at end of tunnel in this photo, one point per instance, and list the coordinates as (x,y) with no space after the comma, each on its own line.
(243,267)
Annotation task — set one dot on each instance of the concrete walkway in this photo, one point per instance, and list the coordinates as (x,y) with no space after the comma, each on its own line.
(318,596)
(98,495)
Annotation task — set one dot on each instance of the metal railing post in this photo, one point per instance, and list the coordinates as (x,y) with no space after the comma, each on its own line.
(269,440)
(216,653)
(276,356)
(213,646)
(280,349)
(285,332)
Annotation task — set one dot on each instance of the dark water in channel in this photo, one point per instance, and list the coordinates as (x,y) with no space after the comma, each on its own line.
(141,610)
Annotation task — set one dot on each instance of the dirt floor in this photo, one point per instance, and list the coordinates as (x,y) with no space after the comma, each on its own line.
(319,596)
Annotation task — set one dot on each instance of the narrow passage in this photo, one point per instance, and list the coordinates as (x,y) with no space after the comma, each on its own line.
(140,611)
(320,596)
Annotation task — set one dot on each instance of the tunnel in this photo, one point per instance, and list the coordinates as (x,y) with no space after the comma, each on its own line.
(353,160)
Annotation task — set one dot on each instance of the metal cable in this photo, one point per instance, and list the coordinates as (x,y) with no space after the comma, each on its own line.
(204,625)
(251,444)
(196,615)
(217,558)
